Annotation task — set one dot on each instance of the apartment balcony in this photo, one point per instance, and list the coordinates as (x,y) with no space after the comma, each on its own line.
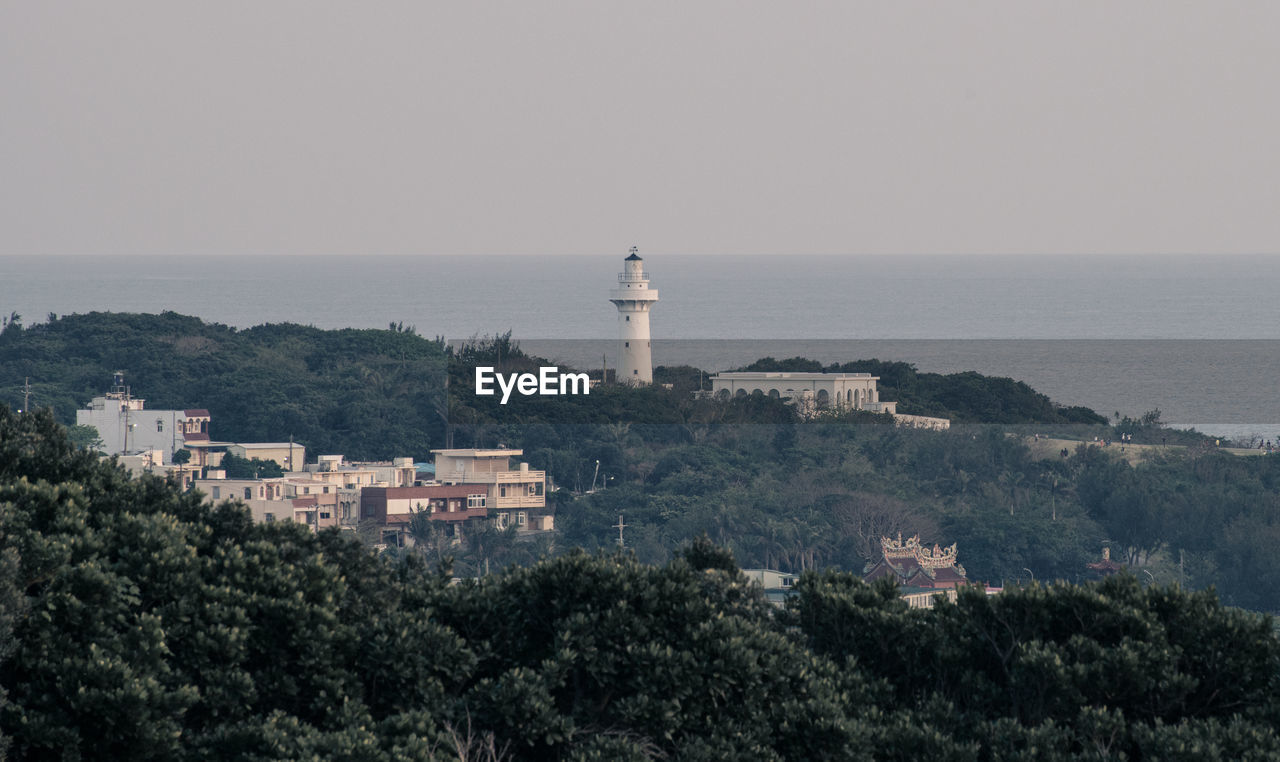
(464,515)
(520,501)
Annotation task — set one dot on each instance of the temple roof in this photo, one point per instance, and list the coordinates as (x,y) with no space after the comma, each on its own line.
(915,565)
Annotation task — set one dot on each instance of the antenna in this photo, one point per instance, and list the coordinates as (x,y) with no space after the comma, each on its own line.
(620,526)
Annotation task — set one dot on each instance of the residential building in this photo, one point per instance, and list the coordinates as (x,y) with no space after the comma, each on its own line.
(278,499)
(125,425)
(397,472)
(450,503)
(777,584)
(152,462)
(516,496)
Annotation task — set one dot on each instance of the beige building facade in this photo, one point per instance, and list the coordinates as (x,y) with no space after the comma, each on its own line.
(516,496)
(827,391)
(289,455)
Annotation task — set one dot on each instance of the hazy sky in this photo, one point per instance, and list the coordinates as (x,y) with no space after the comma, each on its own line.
(586,127)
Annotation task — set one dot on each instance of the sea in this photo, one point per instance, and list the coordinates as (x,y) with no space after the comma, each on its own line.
(1194,336)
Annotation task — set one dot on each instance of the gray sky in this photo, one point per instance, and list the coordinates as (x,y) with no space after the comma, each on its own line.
(585,127)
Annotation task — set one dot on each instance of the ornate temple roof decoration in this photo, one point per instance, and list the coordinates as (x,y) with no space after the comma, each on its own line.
(936,558)
(918,566)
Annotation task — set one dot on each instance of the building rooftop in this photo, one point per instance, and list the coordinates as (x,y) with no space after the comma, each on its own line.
(797,375)
(468,453)
(266,445)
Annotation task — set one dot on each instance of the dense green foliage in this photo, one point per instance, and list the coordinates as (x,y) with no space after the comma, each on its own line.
(792,495)
(966,397)
(962,397)
(363,393)
(808,497)
(137,622)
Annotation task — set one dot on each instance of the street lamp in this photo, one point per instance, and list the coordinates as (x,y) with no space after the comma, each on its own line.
(1033,574)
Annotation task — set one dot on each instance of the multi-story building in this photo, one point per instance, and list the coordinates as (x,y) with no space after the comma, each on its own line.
(450,504)
(126,426)
(333,470)
(516,496)
(397,472)
(285,498)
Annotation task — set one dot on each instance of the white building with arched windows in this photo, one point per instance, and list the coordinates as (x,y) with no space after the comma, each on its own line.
(816,392)
(825,391)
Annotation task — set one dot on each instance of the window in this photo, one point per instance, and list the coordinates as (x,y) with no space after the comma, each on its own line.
(324,515)
(522,519)
(502,491)
(268,517)
(476,501)
(159,425)
(216,490)
(635,372)
(628,318)
(502,520)
(326,489)
(248,493)
(261,491)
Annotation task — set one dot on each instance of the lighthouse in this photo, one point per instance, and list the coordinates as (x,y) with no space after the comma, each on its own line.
(633,298)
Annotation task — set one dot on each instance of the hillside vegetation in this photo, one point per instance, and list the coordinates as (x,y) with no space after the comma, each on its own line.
(779,492)
(140,623)
(363,393)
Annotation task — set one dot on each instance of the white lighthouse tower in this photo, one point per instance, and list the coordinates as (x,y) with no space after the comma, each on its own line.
(633,298)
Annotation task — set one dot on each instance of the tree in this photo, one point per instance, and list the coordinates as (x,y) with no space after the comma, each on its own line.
(246,468)
(87,437)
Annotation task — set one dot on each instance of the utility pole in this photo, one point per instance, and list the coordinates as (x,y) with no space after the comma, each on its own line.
(620,526)
(26,395)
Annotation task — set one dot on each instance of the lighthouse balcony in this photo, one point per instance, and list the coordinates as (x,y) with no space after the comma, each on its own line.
(636,293)
(632,277)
